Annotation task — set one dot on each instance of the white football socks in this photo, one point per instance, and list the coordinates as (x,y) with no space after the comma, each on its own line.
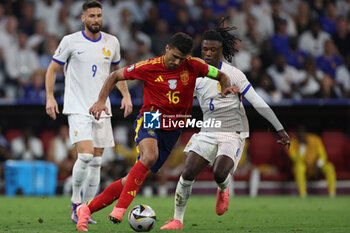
(224,185)
(182,193)
(79,175)
(93,179)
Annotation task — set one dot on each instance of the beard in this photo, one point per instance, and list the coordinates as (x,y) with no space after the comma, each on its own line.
(94,29)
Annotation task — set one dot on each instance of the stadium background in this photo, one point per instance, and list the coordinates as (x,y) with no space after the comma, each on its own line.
(31,30)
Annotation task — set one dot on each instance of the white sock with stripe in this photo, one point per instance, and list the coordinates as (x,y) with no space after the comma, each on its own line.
(79,175)
(93,179)
(182,193)
(224,185)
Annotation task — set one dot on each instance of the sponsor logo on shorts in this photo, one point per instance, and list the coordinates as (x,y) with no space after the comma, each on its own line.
(75,133)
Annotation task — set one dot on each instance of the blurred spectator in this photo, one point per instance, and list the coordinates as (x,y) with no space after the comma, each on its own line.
(284,76)
(139,9)
(27,146)
(312,41)
(342,77)
(221,8)
(280,40)
(49,46)
(341,37)
(239,18)
(34,91)
(328,20)
(123,31)
(317,8)
(112,16)
(261,10)
(3,17)
(48,10)
(328,89)
(64,25)
(4,149)
(22,61)
(251,39)
(183,22)
(27,20)
(62,153)
(278,13)
(266,54)
(310,158)
(144,48)
(291,7)
(149,26)
(255,72)
(311,78)
(303,19)
(207,20)
(167,9)
(160,38)
(329,60)
(343,7)
(125,145)
(267,90)
(195,9)
(295,56)
(242,58)
(38,37)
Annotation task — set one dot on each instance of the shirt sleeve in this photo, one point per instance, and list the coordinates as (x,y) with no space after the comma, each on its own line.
(135,71)
(62,52)
(116,57)
(240,80)
(200,66)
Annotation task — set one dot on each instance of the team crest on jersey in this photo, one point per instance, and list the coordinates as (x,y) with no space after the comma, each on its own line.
(172,83)
(219,86)
(184,77)
(130,68)
(106,52)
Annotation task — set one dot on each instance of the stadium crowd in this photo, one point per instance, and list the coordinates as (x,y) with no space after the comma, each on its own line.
(289,48)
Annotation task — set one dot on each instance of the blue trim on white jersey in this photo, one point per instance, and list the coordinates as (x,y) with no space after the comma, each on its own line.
(116,63)
(92,39)
(59,62)
(220,65)
(246,89)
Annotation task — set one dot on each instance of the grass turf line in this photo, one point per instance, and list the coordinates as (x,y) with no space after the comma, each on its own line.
(262,214)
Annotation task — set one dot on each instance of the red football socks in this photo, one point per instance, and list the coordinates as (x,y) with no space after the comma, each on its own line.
(135,179)
(107,197)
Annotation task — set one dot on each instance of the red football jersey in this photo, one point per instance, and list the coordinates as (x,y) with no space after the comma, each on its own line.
(166,90)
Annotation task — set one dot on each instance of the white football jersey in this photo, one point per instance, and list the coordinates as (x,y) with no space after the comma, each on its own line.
(86,66)
(229,110)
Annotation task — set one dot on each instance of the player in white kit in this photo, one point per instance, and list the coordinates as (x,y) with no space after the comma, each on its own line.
(88,57)
(224,145)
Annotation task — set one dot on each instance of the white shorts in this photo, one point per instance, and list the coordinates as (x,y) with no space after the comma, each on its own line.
(210,145)
(83,128)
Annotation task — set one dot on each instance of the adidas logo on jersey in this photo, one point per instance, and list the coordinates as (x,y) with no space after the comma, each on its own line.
(159,79)
(132,193)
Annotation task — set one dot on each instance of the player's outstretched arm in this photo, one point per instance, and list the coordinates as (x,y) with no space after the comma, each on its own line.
(126,103)
(224,81)
(263,109)
(50,79)
(100,104)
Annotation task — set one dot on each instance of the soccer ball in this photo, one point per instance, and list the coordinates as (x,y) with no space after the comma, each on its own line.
(142,218)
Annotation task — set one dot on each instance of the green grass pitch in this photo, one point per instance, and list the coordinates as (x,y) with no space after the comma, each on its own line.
(262,214)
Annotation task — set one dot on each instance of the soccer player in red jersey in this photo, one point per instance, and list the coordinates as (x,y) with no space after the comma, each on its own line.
(169,83)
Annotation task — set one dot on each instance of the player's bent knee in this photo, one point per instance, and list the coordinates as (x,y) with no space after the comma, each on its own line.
(149,159)
(220,176)
(187,174)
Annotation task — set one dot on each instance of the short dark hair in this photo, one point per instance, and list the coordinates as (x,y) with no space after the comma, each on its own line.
(225,37)
(91,4)
(182,42)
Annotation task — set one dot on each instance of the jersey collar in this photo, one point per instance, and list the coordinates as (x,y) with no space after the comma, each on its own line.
(220,65)
(91,39)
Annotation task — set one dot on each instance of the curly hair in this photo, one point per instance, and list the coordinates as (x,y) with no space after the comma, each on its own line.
(225,36)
